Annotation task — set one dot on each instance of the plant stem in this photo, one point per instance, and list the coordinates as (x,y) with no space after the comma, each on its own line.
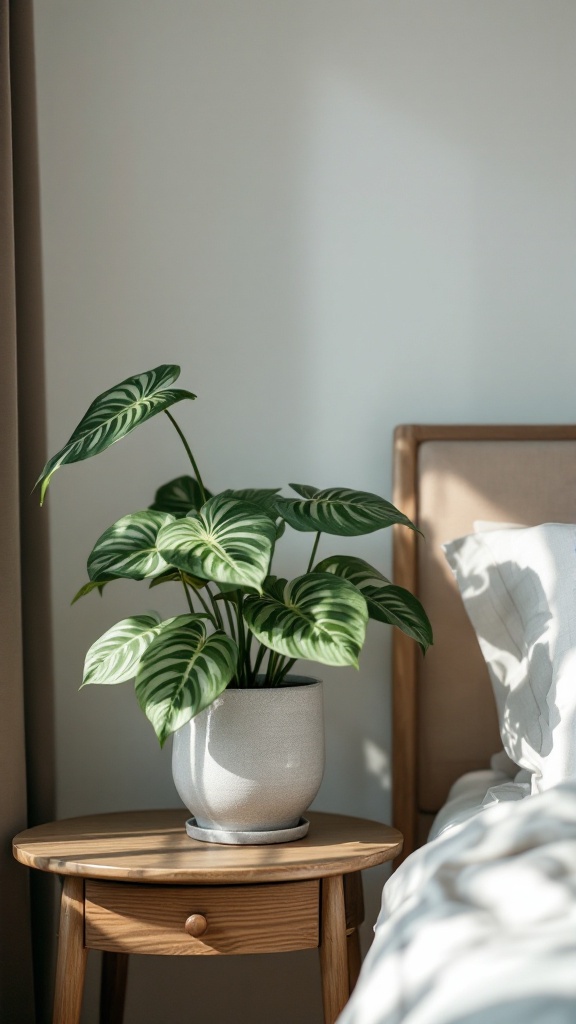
(271,668)
(241,639)
(189,453)
(219,623)
(314,550)
(259,658)
(231,623)
(188,598)
(284,671)
(249,671)
(206,608)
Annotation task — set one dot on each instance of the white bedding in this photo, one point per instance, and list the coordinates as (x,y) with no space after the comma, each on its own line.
(474,792)
(479,926)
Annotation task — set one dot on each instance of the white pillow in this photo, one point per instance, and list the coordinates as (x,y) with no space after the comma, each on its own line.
(519,589)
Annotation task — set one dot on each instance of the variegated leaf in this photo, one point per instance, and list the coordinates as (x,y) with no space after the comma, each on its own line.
(115,656)
(261,496)
(181,673)
(175,576)
(350,568)
(264,497)
(179,496)
(128,548)
(318,617)
(115,413)
(386,602)
(305,490)
(275,586)
(398,607)
(340,511)
(229,541)
(88,588)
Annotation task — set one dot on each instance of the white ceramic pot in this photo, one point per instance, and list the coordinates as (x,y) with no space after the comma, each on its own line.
(253,761)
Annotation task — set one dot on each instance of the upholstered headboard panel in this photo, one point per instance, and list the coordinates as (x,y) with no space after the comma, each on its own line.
(445,479)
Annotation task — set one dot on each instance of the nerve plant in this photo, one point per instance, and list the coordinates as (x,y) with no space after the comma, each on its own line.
(244,626)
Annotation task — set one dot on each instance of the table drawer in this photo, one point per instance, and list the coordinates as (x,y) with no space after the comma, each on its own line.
(130,918)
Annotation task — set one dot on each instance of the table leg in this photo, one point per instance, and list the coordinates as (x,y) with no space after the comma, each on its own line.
(333,958)
(113,987)
(71,963)
(354,903)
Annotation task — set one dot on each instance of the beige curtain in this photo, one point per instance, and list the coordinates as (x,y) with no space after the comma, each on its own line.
(26,710)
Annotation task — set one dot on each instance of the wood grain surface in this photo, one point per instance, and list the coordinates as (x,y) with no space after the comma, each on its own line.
(273,918)
(153,846)
(72,953)
(333,951)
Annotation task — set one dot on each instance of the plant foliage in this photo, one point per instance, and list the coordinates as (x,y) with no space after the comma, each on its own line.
(244,627)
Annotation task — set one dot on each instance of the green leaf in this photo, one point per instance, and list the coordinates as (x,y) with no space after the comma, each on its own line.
(261,496)
(317,616)
(128,548)
(175,576)
(340,511)
(275,586)
(88,588)
(115,413)
(355,570)
(229,541)
(115,656)
(398,607)
(264,497)
(305,490)
(386,602)
(179,496)
(181,673)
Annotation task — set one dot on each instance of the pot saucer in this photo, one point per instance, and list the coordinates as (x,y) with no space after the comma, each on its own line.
(231,838)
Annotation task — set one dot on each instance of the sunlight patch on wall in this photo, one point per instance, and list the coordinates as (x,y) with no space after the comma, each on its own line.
(377,763)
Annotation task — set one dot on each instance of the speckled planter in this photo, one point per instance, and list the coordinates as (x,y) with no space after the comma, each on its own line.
(253,761)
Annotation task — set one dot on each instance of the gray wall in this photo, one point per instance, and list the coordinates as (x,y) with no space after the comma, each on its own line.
(336,215)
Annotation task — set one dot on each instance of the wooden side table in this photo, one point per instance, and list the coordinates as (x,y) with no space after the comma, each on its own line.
(136,883)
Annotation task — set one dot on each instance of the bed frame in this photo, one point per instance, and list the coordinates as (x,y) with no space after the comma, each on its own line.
(445,478)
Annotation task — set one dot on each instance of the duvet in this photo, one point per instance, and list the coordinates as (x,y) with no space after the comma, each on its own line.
(479,926)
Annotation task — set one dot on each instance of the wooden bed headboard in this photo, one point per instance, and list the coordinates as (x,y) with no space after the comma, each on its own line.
(445,478)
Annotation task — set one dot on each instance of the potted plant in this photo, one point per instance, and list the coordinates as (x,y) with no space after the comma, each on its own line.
(215,674)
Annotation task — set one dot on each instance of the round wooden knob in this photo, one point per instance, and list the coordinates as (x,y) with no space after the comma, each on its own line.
(196,925)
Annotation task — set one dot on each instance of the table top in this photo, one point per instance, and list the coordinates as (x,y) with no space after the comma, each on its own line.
(153,846)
